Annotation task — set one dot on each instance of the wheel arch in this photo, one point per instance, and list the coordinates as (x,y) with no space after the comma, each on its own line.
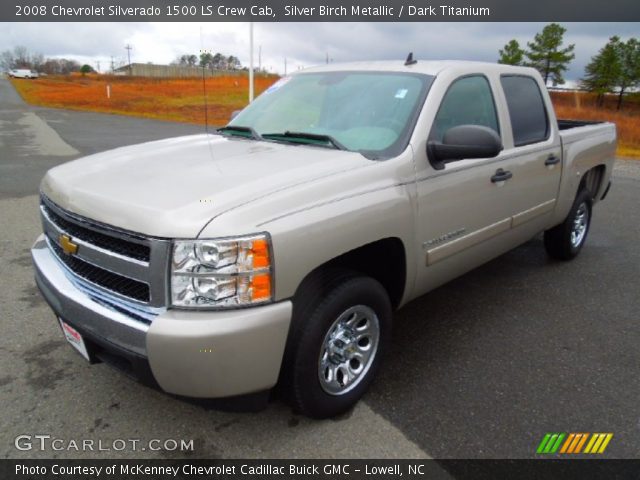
(384,260)
(593,180)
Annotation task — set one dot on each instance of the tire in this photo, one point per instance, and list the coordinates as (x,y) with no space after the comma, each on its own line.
(564,241)
(341,328)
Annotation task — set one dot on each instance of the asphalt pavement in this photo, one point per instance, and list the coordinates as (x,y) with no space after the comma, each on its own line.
(482,367)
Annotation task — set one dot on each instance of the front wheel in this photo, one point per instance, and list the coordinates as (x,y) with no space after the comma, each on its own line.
(337,342)
(565,241)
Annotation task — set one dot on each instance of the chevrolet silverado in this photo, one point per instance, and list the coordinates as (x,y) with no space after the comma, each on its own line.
(273,251)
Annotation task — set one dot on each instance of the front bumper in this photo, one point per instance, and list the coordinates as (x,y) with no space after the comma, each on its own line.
(204,354)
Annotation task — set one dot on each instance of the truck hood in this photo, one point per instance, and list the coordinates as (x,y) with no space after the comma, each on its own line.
(173,187)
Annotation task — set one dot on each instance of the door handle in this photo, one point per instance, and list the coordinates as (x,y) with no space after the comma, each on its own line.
(501,175)
(551,160)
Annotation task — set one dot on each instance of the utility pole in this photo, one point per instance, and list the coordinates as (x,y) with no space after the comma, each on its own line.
(128,48)
(250,62)
(98,66)
(285,66)
(259,58)
(112,64)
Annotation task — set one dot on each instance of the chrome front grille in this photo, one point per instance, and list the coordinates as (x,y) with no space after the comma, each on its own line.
(99,276)
(123,247)
(124,269)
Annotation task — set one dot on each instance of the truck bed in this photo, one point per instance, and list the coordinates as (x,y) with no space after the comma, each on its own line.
(567,124)
(575,130)
(585,145)
(591,135)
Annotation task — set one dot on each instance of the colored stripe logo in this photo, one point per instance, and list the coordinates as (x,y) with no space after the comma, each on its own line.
(592,443)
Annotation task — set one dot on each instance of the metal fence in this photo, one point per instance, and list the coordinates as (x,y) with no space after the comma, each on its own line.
(151,70)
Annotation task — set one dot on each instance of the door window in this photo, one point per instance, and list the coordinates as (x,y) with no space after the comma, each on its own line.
(529,120)
(468,101)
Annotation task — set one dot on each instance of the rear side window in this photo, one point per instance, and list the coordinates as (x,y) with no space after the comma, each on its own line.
(529,120)
(468,101)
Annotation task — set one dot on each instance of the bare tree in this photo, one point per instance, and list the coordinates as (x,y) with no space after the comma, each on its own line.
(21,57)
(7,60)
(37,60)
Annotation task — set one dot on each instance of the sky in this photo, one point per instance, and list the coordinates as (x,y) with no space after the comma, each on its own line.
(302,44)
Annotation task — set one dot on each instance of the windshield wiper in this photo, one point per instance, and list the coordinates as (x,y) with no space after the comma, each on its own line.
(327,139)
(240,131)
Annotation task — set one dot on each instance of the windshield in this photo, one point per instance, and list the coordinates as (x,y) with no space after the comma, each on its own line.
(368,112)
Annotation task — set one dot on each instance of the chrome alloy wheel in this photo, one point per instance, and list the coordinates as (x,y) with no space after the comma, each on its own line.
(580,224)
(348,350)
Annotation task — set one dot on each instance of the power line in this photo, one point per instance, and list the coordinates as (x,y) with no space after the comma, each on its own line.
(128,48)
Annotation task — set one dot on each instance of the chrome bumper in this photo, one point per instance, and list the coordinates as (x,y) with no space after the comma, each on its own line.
(207,354)
(71,303)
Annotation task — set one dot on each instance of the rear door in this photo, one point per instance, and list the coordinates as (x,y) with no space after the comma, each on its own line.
(535,147)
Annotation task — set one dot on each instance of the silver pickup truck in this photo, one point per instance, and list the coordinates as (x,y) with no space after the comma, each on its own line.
(274,250)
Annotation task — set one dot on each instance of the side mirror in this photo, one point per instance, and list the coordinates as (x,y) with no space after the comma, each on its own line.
(234,114)
(464,141)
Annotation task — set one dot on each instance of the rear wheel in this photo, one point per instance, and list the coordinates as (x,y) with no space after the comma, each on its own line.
(340,332)
(565,241)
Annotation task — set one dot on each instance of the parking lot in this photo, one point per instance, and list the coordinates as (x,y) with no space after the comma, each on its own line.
(480,368)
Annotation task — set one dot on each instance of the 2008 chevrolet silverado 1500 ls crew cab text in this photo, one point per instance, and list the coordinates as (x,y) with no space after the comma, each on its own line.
(275,250)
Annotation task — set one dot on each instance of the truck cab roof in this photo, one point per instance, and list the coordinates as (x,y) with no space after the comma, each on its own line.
(426,67)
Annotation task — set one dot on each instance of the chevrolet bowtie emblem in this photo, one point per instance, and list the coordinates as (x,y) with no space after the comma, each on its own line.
(67,245)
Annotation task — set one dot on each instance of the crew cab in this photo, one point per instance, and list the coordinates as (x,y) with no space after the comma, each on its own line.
(273,251)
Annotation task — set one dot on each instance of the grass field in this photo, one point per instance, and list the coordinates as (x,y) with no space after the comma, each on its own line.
(178,99)
(182,100)
(582,106)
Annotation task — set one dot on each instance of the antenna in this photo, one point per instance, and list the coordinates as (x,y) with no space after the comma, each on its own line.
(206,107)
(250,62)
(204,87)
(206,103)
(410,60)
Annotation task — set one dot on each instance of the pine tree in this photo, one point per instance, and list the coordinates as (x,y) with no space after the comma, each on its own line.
(511,54)
(546,55)
(616,68)
(629,78)
(604,70)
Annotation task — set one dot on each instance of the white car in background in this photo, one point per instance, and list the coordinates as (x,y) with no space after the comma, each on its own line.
(23,73)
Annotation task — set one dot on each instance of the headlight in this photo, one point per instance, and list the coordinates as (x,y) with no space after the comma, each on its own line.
(221,273)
